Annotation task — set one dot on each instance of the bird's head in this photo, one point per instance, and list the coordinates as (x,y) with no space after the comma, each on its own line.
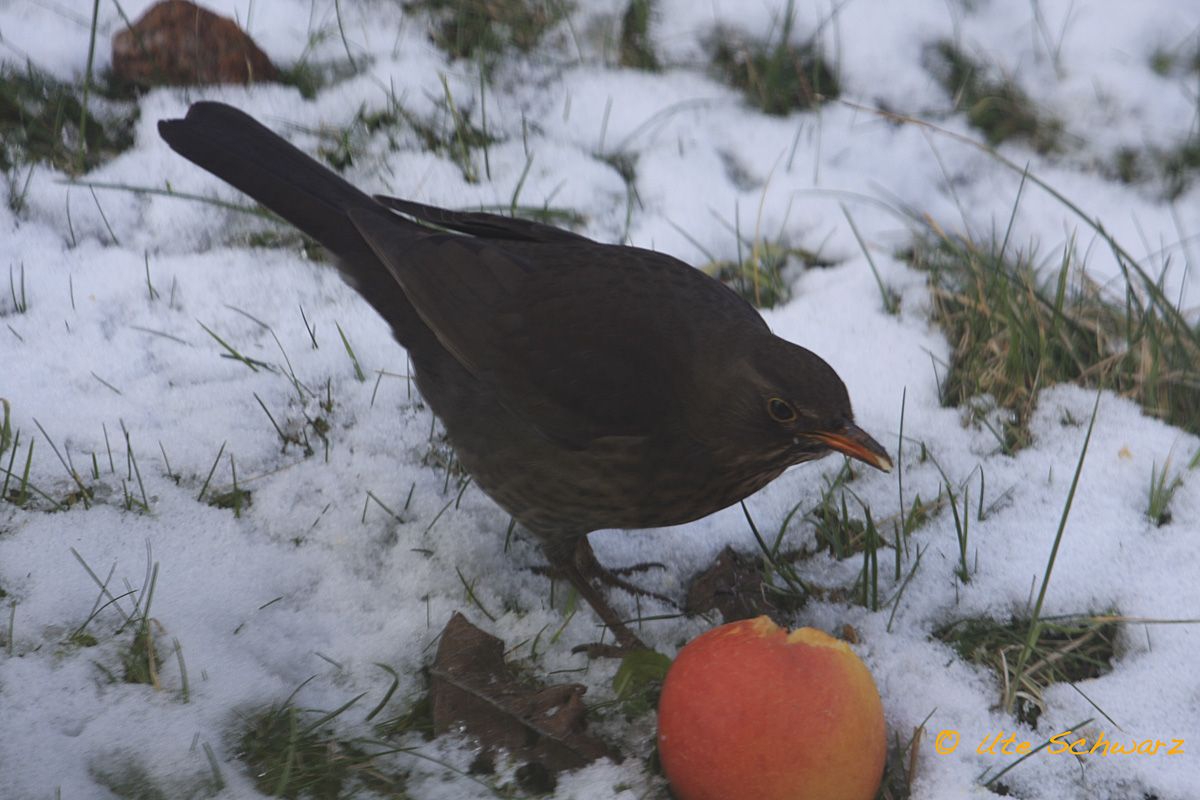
(798,407)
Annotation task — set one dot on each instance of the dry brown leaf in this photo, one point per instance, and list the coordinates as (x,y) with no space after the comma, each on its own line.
(473,691)
(733,585)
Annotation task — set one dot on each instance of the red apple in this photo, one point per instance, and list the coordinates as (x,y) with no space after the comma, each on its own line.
(752,712)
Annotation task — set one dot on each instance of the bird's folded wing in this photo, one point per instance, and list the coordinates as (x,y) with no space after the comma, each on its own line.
(566,333)
(479,223)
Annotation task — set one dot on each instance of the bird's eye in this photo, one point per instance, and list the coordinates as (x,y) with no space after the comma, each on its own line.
(780,410)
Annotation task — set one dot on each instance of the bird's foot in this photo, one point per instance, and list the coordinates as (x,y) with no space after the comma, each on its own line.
(591,569)
(575,562)
(613,577)
(643,566)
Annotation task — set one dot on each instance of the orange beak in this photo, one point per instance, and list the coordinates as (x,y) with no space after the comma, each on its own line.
(856,443)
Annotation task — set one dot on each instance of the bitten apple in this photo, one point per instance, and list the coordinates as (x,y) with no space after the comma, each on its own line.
(752,712)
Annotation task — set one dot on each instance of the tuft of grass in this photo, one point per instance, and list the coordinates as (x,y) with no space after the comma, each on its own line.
(1066,650)
(235,498)
(1173,168)
(962,529)
(759,276)
(1014,333)
(440,456)
(16,488)
(483,30)
(868,596)
(1179,61)
(1176,165)
(359,375)
(1162,62)
(307,79)
(1128,165)
(449,133)
(83,493)
(637,51)
(625,164)
(901,766)
(995,106)
(1021,689)
(1162,491)
(417,718)
(758,272)
(16,290)
(232,352)
(844,534)
(774,74)
(281,238)
(780,587)
(44,120)
(294,752)
(6,429)
(837,531)
(888,296)
(310,77)
(1179,166)
(141,659)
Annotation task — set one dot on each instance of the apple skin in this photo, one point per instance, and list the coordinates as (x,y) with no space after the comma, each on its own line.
(751,712)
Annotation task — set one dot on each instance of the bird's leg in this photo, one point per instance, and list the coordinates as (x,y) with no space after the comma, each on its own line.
(573,560)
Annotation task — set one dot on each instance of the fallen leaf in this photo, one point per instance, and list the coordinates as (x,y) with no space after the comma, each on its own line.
(735,585)
(473,691)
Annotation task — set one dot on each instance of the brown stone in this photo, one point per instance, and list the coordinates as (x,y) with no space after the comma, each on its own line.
(179,43)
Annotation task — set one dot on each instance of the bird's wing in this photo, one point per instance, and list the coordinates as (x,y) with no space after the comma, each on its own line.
(479,223)
(582,340)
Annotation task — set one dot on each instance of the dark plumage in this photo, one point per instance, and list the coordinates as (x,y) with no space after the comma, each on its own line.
(583,385)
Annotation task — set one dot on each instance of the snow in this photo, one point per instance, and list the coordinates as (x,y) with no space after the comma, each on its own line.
(305,582)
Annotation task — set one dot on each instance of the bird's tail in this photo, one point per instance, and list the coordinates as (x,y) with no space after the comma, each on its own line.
(237,149)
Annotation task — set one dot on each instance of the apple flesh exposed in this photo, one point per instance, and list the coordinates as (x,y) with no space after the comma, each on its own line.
(751,712)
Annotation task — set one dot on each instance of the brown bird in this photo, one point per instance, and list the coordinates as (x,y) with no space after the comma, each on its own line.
(583,385)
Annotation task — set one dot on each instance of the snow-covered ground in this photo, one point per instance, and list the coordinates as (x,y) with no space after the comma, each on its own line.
(305,582)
